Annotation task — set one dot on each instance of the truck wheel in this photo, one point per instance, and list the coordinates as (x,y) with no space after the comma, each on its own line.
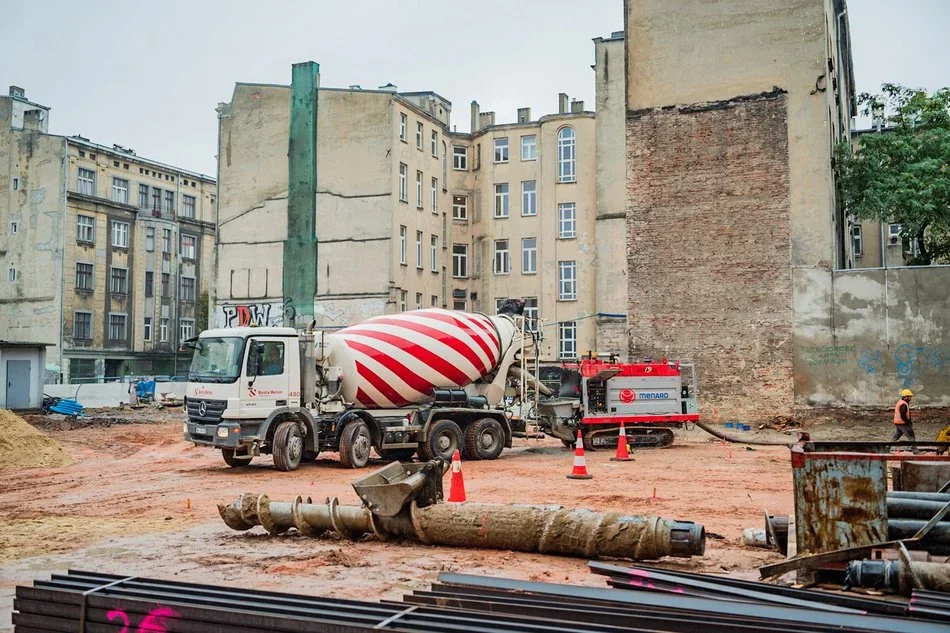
(287,446)
(308,457)
(355,445)
(484,439)
(398,454)
(233,460)
(443,438)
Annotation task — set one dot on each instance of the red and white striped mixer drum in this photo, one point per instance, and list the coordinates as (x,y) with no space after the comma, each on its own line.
(397,359)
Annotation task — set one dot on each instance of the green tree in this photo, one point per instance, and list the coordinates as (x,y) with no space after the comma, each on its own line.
(203,312)
(902,176)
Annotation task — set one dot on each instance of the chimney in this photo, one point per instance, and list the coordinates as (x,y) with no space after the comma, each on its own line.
(17,91)
(562,103)
(577,106)
(475,116)
(390,87)
(486,119)
(524,115)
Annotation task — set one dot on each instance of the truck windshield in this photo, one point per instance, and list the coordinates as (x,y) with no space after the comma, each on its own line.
(217,359)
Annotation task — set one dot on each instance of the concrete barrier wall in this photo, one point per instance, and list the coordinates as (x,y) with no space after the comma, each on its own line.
(109,394)
(863,335)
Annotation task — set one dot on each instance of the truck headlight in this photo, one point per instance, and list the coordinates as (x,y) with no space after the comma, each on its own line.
(223,432)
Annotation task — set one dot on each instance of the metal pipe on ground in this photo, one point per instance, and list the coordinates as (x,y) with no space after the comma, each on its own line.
(736,440)
(942,497)
(543,529)
(903,508)
(895,576)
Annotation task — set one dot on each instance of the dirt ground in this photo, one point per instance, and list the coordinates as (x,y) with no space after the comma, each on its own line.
(138,500)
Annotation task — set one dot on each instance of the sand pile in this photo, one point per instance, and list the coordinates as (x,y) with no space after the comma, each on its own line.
(22,446)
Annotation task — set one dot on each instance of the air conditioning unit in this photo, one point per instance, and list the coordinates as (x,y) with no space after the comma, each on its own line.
(893,240)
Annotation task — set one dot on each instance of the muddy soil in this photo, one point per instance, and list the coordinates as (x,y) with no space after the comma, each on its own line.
(138,500)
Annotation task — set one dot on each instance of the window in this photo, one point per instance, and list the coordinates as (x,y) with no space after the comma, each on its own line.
(529,197)
(82,326)
(87,182)
(531,313)
(419,249)
(150,238)
(445,165)
(149,283)
(16,184)
(565,155)
(147,332)
(460,260)
(460,208)
(116,327)
(86,229)
(186,329)
(120,234)
(435,143)
(529,147)
(119,281)
(402,126)
(501,150)
(11,273)
(500,303)
(460,304)
(459,158)
(434,253)
(567,340)
(14,227)
(84,277)
(402,245)
(893,234)
(120,190)
(163,330)
(502,265)
(567,280)
(156,199)
(418,301)
(403,300)
(170,202)
(418,189)
(166,240)
(529,255)
(435,195)
(188,289)
(419,135)
(435,301)
(566,220)
(501,200)
(857,240)
(166,283)
(188,207)
(188,246)
(143,196)
(403,185)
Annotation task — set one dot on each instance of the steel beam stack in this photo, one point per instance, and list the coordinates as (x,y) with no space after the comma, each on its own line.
(85,602)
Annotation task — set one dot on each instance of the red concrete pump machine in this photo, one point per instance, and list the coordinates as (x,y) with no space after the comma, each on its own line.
(650,398)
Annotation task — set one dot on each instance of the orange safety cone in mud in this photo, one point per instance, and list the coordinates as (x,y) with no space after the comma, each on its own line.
(580,466)
(457,483)
(622,452)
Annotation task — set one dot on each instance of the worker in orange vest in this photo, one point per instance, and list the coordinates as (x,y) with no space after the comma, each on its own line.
(902,421)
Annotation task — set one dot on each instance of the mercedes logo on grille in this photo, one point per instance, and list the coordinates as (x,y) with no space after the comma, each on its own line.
(202,408)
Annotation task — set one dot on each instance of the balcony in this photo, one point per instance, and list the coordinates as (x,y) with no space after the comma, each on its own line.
(165,212)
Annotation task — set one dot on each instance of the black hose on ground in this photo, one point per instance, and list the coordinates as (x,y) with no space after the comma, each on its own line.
(736,440)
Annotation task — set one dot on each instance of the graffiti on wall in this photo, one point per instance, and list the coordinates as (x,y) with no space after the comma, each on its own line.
(815,355)
(250,314)
(870,361)
(914,360)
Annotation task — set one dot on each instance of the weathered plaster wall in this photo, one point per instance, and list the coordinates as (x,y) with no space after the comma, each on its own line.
(863,335)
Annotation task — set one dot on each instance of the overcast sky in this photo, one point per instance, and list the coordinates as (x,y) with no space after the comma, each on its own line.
(148,75)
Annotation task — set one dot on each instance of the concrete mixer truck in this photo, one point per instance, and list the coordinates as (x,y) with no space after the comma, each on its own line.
(427,381)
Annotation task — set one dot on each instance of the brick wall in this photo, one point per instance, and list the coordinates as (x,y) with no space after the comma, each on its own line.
(708,249)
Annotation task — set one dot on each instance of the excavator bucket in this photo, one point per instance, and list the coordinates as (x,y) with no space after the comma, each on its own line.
(387,490)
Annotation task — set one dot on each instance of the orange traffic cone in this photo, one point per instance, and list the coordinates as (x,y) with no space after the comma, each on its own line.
(580,466)
(457,483)
(622,452)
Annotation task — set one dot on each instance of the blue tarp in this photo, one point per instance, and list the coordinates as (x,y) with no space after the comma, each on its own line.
(145,388)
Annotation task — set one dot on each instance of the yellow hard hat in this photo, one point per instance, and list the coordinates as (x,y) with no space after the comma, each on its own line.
(907,392)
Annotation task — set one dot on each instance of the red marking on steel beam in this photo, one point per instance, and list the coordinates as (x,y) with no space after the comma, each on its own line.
(424,354)
(448,340)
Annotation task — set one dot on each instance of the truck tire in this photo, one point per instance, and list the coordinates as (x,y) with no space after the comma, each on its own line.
(355,445)
(398,454)
(232,459)
(308,457)
(442,439)
(484,439)
(287,446)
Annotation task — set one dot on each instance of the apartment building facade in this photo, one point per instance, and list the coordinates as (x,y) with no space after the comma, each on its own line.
(107,253)
(411,214)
